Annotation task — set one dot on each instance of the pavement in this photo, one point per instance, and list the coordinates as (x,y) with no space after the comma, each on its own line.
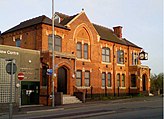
(40,108)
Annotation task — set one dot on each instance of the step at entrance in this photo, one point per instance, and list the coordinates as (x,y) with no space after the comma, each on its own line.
(68,99)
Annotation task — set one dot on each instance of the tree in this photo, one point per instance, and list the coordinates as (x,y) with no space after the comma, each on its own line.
(157,82)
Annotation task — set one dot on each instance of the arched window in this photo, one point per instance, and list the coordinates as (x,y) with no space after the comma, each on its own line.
(105,54)
(120,57)
(57,43)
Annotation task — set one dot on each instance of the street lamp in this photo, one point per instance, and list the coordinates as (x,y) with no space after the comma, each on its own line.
(53,57)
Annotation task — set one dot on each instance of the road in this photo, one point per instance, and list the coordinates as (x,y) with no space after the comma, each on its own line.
(135,108)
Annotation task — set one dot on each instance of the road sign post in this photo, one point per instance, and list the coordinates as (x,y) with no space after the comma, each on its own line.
(11,69)
(20,77)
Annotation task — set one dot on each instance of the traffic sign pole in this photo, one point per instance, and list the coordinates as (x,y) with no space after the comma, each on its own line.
(19,96)
(11,83)
(11,69)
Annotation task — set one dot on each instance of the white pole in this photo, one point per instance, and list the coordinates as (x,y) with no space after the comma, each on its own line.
(53,58)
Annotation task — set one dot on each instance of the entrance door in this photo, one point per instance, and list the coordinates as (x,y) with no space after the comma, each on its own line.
(29,93)
(144,82)
(62,80)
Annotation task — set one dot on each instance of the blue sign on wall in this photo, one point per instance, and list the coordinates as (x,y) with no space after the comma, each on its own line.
(49,71)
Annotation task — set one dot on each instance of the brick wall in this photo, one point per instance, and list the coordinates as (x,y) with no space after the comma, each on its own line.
(81,30)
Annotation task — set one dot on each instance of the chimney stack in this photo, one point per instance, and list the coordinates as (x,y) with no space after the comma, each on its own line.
(118,31)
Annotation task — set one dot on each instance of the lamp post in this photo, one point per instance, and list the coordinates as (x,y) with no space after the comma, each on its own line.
(53,57)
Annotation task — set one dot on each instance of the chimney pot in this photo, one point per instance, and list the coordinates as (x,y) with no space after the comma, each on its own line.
(118,31)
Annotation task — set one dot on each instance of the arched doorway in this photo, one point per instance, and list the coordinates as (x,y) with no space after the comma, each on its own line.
(62,80)
(144,82)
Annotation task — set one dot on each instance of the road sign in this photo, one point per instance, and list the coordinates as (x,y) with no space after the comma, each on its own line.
(20,76)
(8,68)
(49,71)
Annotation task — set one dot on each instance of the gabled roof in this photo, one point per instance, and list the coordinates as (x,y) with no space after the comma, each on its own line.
(104,32)
(34,21)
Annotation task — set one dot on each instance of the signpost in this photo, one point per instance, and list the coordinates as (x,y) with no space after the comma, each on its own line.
(11,69)
(20,77)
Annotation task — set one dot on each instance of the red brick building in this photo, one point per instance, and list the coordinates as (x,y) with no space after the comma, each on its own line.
(88,57)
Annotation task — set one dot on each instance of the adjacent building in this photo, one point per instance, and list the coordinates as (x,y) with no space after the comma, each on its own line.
(89,58)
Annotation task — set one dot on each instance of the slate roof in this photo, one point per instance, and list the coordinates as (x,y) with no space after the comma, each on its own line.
(104,32)
(108,35)
(34,21)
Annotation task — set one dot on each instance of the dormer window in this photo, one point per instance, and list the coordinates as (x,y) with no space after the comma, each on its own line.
(56,18)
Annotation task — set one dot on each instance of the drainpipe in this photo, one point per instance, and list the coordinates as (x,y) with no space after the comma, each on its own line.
(75,74)
(114,70)
(128,70)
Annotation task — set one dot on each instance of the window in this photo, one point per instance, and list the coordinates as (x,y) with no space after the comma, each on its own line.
(18,42)
(134,58)
(87,78)
(118,80)
(79,50)
(85,51)
(123,80)
(57,43)
(78,77)
(105,54)
(44,76)
(109,80)
(133,80)
(103,79)
(49,42)
(120,57)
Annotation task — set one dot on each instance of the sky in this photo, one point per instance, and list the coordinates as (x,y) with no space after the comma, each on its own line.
(142,20)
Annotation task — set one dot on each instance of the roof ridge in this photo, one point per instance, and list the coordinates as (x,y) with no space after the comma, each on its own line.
(103,26)
(33,19)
